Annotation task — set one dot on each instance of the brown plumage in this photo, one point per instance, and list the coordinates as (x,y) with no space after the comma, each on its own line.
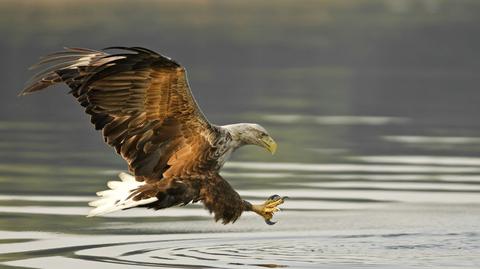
(142,102)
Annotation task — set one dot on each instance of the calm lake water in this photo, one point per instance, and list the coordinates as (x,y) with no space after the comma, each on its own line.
(375,106)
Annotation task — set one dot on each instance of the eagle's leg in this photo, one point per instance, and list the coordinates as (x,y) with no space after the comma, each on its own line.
(269,207)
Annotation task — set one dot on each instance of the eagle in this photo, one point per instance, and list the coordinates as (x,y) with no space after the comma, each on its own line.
(142,103)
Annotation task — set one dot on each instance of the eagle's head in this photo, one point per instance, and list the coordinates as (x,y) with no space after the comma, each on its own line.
(251,134)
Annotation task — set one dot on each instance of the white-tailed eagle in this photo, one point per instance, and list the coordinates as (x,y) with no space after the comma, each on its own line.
(142,102)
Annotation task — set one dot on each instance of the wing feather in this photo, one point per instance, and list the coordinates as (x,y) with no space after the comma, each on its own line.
(141,101)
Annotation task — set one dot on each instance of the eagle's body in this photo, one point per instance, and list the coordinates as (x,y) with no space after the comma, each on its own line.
(142,103)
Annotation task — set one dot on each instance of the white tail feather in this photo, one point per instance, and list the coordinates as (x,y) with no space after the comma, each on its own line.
(117,197)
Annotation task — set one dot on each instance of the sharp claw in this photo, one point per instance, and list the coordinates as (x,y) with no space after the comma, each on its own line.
(269,222)
(269,208)
(274,197)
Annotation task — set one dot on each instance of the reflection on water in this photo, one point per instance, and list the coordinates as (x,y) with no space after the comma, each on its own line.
(373,104)
(332,120)
(433,139)
(344,249)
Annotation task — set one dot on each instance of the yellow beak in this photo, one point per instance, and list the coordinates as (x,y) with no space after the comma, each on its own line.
(270,144)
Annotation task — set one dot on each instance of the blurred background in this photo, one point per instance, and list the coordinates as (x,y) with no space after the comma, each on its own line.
(374,104)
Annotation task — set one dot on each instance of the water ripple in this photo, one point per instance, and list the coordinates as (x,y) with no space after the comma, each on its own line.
(272,250)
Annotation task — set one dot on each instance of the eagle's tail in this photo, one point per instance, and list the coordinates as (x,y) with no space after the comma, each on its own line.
(118,197)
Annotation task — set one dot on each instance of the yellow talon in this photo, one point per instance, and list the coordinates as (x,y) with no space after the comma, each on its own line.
(269,207)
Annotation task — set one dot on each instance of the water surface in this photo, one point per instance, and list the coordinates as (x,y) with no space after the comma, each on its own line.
(374,105)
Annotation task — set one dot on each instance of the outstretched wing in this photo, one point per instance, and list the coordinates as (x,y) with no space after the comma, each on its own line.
(141,101)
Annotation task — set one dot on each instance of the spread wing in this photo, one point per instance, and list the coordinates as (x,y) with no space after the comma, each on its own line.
(142,102)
